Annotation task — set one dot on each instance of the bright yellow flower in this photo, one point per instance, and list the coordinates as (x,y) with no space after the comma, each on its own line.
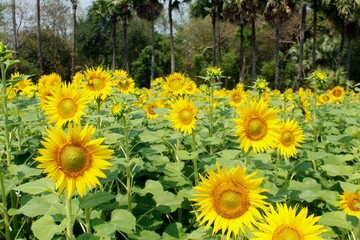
(229,200)
(349,203)
(66,104)
(325,98)
(125,84)
(238,96)
(287,224)
(98,82)
(338,93)
(183,115)
(73,160)
(24,87)
(176,84)
(304,105)
(149,108)
(191,88)
(257,127)
(45,85)
(261,84)
(291,136)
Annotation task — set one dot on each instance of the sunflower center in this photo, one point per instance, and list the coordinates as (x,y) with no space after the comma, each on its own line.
(337,93)
(124,85)
(176,84)
(256,129)
(285,232)
(231,201)
(67,108)
(97,84)
(73,159)
(287,138)
(237,98)
(353,202)
(185,116)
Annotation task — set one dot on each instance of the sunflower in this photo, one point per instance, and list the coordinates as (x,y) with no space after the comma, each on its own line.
(288,95)
(324,98)
(304,105)
(258,126)
(118,109)
(175,83)
(261,85)
(66,104)
(24,87)
(73,160)
(230,200)
(45,85)
(99,82)
(338,93)
(291,136)
(149,108)
(349,203)
(285,224)
(237,95)
(191,87)
(320,76)
(183,115)
(78,79)
(125,84)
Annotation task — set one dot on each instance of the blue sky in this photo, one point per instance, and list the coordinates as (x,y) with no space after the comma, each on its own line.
(85,3)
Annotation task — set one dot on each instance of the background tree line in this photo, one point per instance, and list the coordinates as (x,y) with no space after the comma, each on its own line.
(280,40)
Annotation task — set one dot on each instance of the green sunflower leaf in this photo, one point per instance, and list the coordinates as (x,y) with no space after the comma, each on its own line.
(45,227)
(95,199)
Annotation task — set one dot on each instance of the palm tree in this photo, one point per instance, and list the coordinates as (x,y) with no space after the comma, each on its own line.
(123,9)
(38,18)
(150,10)
(276,12)
(203,8)
(74,4)
(345,12)
(13,10)
(301,48)
(237,12)
(315,9)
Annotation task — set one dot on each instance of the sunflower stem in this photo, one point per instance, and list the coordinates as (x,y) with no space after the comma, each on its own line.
(195,160)
(211,112)
(277,163)
(5,113)
(127,159)
(98,105)
(69,228)
(4,207)
(87,220)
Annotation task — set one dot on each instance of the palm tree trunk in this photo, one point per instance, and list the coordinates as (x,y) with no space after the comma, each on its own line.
(348,57)
(13,10)
(113,29)
(314,35)
(152,75)
(126,47)
(339,56)
(73,51)
(172,51)
(301,48)
(253,51)
(213,19)
(218,33)
(241,74)
(40,56)
(277,58)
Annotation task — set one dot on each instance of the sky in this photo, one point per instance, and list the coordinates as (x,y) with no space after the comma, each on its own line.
(85,3)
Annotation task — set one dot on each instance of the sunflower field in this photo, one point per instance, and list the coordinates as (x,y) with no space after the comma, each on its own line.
(98,158)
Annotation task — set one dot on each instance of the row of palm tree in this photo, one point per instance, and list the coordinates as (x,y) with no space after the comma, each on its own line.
(240,12)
